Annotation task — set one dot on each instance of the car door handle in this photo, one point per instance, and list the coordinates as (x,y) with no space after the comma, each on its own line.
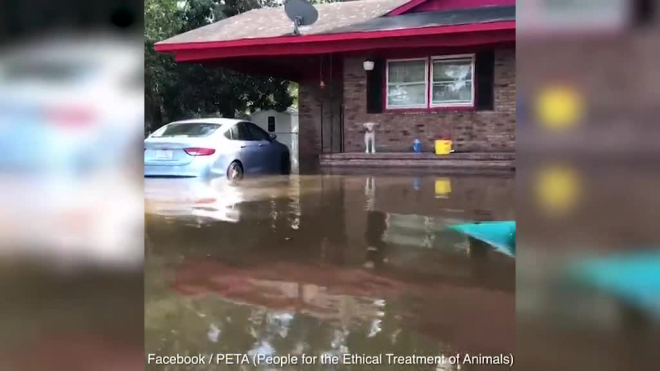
(261,145)
(243,146)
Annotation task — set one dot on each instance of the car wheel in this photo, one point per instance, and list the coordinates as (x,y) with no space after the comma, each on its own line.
(285,167)
(235,171)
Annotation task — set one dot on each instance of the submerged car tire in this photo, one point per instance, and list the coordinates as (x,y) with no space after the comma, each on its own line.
(235,171)
(285,167)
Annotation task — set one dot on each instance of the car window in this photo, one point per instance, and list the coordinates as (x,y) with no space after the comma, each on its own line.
(232,133)
(187,130)
(243,132)
(257,132)
(47,71)
(134,81)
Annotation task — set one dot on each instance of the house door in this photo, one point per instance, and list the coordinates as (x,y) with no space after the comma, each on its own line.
(332,120)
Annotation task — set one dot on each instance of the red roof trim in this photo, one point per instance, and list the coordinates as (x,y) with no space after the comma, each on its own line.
(472,39)
(324,38)
(405,7)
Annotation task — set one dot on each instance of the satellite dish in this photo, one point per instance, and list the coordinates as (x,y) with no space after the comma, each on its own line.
(301,13)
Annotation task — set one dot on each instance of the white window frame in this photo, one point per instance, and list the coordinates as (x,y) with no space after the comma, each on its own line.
(430,90)
(426,83)
(428,74)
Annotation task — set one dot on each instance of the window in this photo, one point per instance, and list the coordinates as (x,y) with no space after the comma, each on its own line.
(271,124)
(256,132)
(45,71)
(406,83)
(452,80)
(243,132)
(186,130)
(134,81)
(430,82)
(232,133)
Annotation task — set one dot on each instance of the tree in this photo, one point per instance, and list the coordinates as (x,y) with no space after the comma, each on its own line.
(163,19)
(174,91)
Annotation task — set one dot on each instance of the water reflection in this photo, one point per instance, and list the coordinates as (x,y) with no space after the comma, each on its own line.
(326,265)
(193,199)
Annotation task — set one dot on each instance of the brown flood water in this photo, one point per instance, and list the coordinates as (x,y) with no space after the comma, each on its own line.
(326,265)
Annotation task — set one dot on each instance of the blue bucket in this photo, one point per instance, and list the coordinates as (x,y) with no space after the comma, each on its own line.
(417,146)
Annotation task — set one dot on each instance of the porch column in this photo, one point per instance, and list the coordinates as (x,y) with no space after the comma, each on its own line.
(320,121)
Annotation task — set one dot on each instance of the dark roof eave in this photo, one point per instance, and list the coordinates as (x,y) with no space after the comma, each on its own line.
(486,14)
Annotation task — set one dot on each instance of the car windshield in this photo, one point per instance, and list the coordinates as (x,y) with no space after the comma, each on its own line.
(49,72)
(134,80)
(187,130)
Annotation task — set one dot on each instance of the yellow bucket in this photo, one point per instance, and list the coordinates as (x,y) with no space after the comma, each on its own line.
(442,147)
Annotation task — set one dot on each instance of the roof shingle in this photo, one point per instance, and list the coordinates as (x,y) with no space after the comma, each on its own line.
(273,22)
(434,19)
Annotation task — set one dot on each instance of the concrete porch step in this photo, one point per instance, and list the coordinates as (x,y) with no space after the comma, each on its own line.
(504,161)
(447,164)
(477,156)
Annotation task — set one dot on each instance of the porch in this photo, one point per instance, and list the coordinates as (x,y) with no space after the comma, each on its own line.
(367,61)
(455,162)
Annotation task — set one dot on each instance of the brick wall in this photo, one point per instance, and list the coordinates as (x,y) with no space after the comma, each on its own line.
(470,130)
(319,116)
(309,125)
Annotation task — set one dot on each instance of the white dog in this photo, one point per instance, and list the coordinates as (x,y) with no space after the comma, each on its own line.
(369,137)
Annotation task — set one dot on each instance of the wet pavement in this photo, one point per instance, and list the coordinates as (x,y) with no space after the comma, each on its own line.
(326,265)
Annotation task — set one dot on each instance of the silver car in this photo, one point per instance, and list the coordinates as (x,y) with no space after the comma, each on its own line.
(58,105)
(214,147)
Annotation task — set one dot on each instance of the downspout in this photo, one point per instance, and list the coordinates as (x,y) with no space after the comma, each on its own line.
(332,109)
(321,85)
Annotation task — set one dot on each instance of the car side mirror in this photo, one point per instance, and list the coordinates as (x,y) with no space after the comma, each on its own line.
(273,137)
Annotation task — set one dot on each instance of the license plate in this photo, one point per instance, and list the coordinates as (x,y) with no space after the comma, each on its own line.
(164,154)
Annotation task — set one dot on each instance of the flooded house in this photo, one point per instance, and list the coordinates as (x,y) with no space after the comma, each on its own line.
(359,261)
(421,70)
